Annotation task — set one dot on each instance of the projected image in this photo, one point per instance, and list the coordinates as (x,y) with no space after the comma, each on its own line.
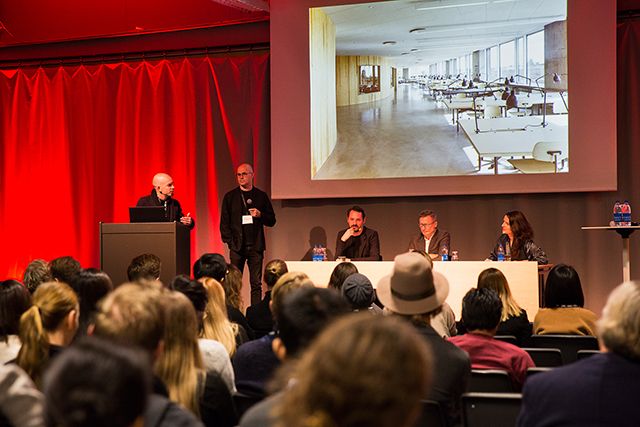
(439,88)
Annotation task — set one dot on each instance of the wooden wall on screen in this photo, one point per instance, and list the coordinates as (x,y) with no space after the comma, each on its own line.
(348,82)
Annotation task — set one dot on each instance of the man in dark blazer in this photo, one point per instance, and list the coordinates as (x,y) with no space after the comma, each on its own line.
(437,239)
(601,390)
(358,242)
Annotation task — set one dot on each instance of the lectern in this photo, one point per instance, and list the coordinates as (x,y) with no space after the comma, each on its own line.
(120,243)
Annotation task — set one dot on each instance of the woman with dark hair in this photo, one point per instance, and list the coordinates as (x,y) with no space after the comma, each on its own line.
(340,273)
(259,315)
(91,285)
(564,311)
(517,240)
(15,299)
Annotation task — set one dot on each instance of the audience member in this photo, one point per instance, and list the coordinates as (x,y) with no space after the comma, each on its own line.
(481,312)
(232,285)
(15,299)
(90,285)
(215,323)
(361,371)
(259,315)
(255,361)
(144,267)
(514,320)
(48,326)
(181,369)
(516,240)
(340,273)
(416,293)
(133,315)
(214,355)
(36,273)
(98,384)
(358,291)
(564,311)
(21,403)
(601,390)
(64,269)
(300,317)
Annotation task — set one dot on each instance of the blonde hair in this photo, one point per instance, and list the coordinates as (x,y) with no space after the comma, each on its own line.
(52,302)
(619,327)
(361,370)
(492,278)
(286,283)
(232,284)
(180,365)
(215,322)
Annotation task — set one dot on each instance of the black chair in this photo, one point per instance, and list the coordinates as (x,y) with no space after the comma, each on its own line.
(567,344)
(545,357)
(432,415)
(507,338)
(243,402)
(583,354)
(490,409)
(489,381)
(534,371)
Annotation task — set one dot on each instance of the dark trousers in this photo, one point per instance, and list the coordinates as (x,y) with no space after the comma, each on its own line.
(253,259)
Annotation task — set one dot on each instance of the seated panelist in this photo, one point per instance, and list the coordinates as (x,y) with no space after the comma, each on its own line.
(517,240)
(431,240)
(358,242)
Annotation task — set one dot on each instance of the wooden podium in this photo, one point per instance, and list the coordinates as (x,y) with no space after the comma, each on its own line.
(120,243)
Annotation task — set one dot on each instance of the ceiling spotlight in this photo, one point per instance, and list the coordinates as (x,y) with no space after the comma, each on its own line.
(404,53)
(389,42)
(414,50)
(419,30)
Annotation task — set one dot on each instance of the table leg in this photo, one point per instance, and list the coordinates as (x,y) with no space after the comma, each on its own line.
(626,268)
(495,165)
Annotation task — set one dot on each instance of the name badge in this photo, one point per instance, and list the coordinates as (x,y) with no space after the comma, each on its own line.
(247,219)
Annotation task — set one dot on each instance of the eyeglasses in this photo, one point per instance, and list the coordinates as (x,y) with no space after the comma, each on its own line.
(243,173)
(427,225)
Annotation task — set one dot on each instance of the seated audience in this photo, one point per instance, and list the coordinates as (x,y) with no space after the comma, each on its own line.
(15,299)
(359,293)
(339,273)
(90,285)
(481,312)
(145,267)
(416,293)
(48,326)
(21,403)
(215,324)
(64,269)
(516,240)
(514,320)
(300,317)
(564,311)
(361,371)
(181,369)
(255,362)
(259,315)
(36,273)
(232,285)
(133,315)
(112,390)
(601,390)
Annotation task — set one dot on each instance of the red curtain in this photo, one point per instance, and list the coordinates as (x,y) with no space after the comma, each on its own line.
(80,144)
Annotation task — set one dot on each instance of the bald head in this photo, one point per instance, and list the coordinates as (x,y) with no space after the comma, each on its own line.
(163,184)
(244,175)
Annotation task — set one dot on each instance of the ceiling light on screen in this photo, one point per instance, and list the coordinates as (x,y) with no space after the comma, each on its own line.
(389,42)
(432,6)
(419,30)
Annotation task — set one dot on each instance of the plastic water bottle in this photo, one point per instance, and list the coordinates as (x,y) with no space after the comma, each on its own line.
(317,255)
(445,253)
(500,253)
(617,213)
(507,251)
(626,213)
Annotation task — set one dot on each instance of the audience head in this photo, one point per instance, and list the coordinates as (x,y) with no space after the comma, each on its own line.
(619,327)
(91,285)
(210,265)
(481,310)
(340,273)
(563,288)
(424,254)
(273,271)
(287,283)
(15,299)
(232,285)
(144,267)
(358,291)
(111,390)
(303,313)
(361,371)
(64,269)
(132,315)
(36,273)
(54,311)
(492,278)
(215,322)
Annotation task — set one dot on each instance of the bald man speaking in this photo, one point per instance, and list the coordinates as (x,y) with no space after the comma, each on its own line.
(162,195)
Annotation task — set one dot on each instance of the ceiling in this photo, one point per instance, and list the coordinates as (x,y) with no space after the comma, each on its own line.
(451,27)
(24,22)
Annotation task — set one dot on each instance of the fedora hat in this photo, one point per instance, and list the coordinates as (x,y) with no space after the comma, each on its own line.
(412,287)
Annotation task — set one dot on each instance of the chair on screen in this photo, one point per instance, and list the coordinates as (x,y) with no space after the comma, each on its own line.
(567,344)
(489,381)
(545,357)
(492,111)
(490,409)
(548,157)
(432,415)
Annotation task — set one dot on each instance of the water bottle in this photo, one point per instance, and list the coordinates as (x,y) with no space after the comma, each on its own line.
(617,213)
(317,255)
(500,253)
(507,251)
(445,253)
(626,213)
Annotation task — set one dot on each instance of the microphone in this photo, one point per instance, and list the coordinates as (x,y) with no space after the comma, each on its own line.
(249,201)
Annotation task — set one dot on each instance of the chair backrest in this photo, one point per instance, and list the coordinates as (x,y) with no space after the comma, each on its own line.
(432,415)
(507,338)
(583,354)
(490,409)
(492,111)
(567,344)
(536,370)
(489,381)
(545,357)
(541,151)
(243,402)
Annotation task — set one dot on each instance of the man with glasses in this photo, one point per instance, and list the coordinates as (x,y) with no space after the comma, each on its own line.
(431,240)
(245,211)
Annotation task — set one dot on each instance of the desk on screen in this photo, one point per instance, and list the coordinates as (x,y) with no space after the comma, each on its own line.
(462,275)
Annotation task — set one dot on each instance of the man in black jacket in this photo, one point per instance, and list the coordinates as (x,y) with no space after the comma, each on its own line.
(162,195)
(245,211)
